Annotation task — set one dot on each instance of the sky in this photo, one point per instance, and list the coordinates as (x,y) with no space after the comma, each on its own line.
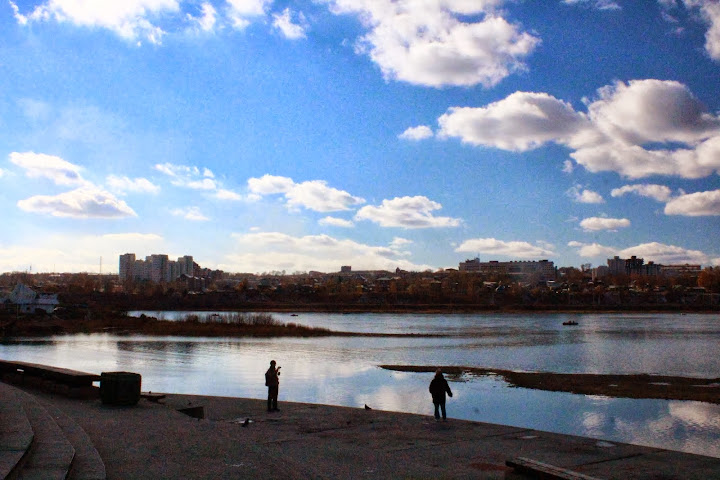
(272,135)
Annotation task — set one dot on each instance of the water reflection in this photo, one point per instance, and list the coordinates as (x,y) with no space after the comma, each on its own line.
(343,370)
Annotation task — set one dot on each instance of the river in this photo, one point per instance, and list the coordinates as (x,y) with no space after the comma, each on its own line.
(344,370)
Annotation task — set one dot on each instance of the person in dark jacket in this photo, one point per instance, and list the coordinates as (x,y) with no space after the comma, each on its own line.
(273,383)
(438,388)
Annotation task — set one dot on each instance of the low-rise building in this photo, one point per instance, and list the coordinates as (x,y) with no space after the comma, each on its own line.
(27,300)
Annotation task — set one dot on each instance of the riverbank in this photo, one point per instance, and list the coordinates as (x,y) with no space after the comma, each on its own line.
(237,438)
(619,386)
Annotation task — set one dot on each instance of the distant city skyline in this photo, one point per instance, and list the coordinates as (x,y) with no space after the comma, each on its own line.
(267,136)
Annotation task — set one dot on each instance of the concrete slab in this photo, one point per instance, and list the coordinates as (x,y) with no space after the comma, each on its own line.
(308,441)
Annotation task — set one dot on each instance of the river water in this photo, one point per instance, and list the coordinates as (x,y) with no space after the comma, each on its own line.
(344,370)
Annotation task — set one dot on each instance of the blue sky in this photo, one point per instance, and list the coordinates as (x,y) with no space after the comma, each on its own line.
(269,135)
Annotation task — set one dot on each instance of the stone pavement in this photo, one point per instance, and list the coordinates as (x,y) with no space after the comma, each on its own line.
(306,441)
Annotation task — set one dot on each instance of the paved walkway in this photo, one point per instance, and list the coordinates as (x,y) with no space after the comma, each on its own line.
(305,441)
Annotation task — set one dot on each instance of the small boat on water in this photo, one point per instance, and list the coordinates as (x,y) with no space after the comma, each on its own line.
(570,322)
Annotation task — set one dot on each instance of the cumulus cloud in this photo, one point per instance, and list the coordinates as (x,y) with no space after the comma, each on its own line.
(653,251)
(313,195)
(709,12)
(661,193)
(420,132)
(406,212)
(125,184)
(283,22)
(433,42)
(492,246)
(590,250)
(270,251)
(316,195)
(582,195)
(520,122)
(594,224)
(665,254)
(84,202)
(130,19)
(695,204)
(270,184)
(189,213)
(40,165)
(637,129)
(336,222)
(241,12)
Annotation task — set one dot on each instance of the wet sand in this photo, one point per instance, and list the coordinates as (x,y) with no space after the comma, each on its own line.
(621,386)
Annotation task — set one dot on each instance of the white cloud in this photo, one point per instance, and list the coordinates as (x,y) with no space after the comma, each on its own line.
(313,195)
(130,19)
(400,242)
(429,42)
(224,194)
(581,195)
(695,204)
(653,251)
(520,122)
(665,254)
(189,213)
(84,202)
(709,12)
(420,132)
(125,184)
(270,184)
(406,212)
(598,4)
(241,12)
(207,20)
(336,222)
(492,246)
(590,250)
(638,129)
(661,193)
(316,195)
(21,19)
(283,22)
(568,166)
(270,251)
(75,253)
(594,224)
(40,165)
(188,176)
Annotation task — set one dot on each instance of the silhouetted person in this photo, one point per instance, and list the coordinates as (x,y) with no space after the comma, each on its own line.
(438,388)
(273,383)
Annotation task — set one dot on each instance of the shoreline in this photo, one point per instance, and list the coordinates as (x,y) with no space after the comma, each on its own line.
(636,386)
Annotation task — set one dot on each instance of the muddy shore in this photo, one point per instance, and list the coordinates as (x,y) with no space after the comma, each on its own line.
(619,386)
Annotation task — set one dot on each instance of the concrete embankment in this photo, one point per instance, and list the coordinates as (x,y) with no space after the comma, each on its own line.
(237,438)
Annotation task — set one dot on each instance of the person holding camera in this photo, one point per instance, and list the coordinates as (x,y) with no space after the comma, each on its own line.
(272,381)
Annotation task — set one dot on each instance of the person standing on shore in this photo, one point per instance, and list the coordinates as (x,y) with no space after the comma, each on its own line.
(272,381)
(438,388)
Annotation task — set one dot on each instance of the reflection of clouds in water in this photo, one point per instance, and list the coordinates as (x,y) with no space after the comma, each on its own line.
(696,414)
(687,426)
